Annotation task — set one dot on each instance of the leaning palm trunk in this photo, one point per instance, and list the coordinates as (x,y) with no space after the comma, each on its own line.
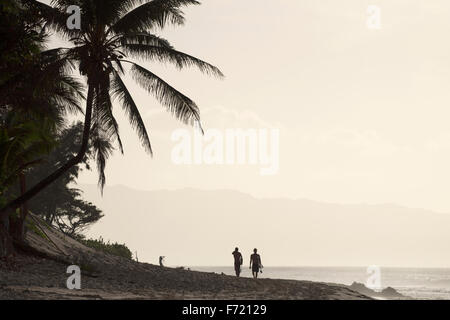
(111,34)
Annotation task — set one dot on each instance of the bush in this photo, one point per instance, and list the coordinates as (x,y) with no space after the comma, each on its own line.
(116,249)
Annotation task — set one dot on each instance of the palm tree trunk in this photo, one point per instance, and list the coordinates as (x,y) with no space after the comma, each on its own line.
(16,223)
(14,204)
(6,248)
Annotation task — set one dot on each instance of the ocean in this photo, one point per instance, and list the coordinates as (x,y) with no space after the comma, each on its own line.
(412,282)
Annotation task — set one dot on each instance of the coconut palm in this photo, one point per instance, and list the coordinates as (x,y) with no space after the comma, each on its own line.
(112,34)
(36,92)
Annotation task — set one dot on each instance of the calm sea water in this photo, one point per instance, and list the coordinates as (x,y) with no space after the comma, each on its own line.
(415,283)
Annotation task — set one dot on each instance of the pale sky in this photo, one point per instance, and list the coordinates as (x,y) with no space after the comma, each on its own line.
(363,114)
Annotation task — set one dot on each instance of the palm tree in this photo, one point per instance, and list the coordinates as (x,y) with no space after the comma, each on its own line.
(35,94)
(112,33)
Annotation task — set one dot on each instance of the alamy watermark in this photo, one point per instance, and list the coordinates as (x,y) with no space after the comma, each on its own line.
(374,280)
(228,147)
(74,280)
(373,17)
(74,20)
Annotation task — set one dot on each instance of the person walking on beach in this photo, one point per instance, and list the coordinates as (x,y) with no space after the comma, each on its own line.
(237,261)
(255,263)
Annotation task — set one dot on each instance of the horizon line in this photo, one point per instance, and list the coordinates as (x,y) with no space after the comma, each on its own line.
(392,204)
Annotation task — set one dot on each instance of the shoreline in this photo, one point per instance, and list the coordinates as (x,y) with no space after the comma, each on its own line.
(39,278)
(104,276)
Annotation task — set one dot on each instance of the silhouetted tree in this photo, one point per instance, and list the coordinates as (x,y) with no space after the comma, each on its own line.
(60,204)
(35,94)
(112,32)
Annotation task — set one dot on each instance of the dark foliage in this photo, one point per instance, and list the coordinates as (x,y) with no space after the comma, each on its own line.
(60,204)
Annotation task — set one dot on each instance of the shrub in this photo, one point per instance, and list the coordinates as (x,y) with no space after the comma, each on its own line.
(115,248)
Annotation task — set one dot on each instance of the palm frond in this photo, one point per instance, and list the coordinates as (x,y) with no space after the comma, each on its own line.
(183,108)
(56,19)
(103,116)
(155,13)
(120,91)
(102,149)
(143,38)
(164,54)
(55,82)
(102,12)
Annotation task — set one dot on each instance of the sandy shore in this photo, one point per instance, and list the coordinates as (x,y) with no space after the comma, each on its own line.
(37,278)
(105,276)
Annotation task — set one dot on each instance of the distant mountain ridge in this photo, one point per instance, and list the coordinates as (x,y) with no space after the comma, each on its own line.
(198,227)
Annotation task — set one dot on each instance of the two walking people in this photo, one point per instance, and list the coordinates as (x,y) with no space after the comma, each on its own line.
(255,262)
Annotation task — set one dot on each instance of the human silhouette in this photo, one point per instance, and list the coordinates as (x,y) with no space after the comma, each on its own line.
(255,263)
(161,260)
(237,261)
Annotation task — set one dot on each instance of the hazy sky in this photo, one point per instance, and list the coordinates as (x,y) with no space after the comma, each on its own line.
(363,114)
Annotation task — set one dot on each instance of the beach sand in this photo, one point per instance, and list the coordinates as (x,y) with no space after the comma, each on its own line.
(104,276)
